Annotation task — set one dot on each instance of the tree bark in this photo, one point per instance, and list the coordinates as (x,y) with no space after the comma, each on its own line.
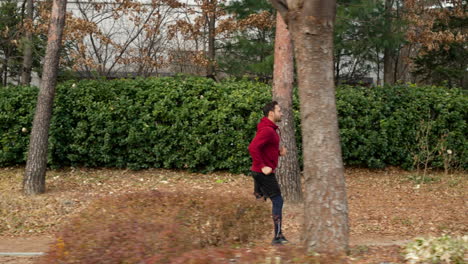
(326,210)
(388,60)
(34,178)
(288,172)
(211,16)
(28,46)
(389,66)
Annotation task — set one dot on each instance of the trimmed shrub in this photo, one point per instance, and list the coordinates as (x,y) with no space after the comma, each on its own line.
(201,125)
(403,125)
(184,123)
(158,225)
(17,106)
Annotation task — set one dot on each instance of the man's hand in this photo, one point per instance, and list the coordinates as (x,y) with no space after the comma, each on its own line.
(283,151)
(266,170)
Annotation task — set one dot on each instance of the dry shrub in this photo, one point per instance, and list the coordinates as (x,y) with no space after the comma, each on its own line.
(158,225)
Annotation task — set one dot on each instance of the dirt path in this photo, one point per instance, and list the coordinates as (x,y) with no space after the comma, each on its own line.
(41,244)
(23,245)
(380,242)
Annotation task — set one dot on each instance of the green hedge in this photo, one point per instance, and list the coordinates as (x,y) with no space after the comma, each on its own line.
(192,123)
(198,124)
(16,112)
(396,125)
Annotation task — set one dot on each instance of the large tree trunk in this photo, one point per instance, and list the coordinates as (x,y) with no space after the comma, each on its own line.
(326,210)
(288,172)
(34,178)
(28,46)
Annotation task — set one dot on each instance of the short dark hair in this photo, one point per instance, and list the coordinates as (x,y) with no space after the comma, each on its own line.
(269,107)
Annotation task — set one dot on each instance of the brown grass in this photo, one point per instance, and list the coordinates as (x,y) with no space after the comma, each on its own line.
(133,227)
(386,207)
(71,190)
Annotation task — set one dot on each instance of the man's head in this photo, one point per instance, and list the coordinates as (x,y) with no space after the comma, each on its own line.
(273,111)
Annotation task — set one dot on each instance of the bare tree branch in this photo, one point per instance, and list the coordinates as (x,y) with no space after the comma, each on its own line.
(95,48)
(126,45)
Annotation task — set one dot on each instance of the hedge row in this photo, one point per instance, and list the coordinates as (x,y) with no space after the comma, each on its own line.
(403,125)
(201,125)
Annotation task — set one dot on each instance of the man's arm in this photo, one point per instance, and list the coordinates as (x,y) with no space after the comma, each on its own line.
(260,139)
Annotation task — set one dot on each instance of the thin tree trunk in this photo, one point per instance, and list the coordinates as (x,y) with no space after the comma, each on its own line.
(396,66)
(5,69)
(388,66)
(288,172)
(388,52)
(211,16)
(1,75)
(28,46)
(326,210)
(378,67)
(34,178)
(337,69)
(7,65)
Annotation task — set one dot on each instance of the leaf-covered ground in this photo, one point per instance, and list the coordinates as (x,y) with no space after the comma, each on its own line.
(386,207)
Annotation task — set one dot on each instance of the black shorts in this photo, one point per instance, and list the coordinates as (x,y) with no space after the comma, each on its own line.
(265,186)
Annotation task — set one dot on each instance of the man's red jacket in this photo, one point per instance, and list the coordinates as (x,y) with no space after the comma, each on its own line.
(264,148)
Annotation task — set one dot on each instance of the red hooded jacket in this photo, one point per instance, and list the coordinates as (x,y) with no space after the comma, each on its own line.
(264,148)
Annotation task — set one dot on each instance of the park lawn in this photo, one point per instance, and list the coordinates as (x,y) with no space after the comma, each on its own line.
(386,207)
